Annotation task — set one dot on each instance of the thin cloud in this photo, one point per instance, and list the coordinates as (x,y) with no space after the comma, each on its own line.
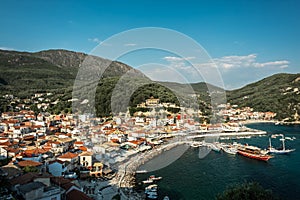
(96,40)
(281,64)
(179,63)
(175,59)
(230,62)
(130,45)
(7,48)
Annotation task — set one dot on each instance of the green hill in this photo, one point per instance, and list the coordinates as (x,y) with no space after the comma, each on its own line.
(24,74)
(278,93)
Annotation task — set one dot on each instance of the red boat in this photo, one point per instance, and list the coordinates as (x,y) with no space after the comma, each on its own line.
(254,153)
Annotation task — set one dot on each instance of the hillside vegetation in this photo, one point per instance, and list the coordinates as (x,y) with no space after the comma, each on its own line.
(24,74)
(278,93)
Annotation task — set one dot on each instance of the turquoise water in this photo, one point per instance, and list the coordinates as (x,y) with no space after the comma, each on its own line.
(192,178)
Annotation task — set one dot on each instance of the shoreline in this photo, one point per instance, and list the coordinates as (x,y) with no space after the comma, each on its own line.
(127,170)
(270,121)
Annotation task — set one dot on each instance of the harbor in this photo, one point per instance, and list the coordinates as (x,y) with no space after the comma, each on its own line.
(229,148)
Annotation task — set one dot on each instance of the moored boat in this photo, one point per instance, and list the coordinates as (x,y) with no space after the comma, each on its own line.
(215,146)
(279,151)
(154,178)
(230,150)
(148,181)
(253,152)
(196,144)
(141,171)
(151,188)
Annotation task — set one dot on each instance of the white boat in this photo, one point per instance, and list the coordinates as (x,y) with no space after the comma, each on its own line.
(289,138)
(154,178)
(276,135)
(215,147)
(148,181)
(279,151)
(230,150)
(141,171)
(166,198)
(196,144)
(224,138)
(152,195)
(151,188)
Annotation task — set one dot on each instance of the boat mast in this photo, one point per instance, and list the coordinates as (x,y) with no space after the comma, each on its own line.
(283,143)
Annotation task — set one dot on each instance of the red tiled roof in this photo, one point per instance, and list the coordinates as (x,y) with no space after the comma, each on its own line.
(26,178)
(69,155)
(82,148)
(54,161)
(78,142)
(59,180)
(25,163)
(35,151)
(76,194)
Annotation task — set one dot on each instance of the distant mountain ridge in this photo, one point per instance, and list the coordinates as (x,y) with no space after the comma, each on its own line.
(47,70)
(24,73)
(279,93)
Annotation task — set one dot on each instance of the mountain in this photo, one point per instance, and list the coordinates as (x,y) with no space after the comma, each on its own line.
(278,93)
(24,73)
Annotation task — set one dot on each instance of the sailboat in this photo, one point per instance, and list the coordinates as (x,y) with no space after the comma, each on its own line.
(279,151)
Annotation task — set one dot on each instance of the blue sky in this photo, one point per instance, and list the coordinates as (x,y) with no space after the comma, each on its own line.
(248,40)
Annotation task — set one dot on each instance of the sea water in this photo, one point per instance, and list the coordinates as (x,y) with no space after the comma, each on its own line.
(190,177)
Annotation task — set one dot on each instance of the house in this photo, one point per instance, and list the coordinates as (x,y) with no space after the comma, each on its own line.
(30,163)
(38,190)
(69,157)
(11,171)
(29,177)
(86,159)
(58,167)
(3,153)
(72,190)
(152,102)
(96,170)
(76,194)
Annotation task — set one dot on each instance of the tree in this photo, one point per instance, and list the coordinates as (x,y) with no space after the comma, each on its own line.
(27,169)
(247,191)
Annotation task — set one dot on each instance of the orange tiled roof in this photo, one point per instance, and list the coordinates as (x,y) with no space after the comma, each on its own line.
(25,163)
(78,142)
(76,194)
(35,151)
(68,155)
(82,148)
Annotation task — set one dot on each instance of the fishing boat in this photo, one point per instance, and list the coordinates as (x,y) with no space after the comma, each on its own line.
(215,146)
(279,151)
(152,195)
(154,178)
(253,152)
(196,144)
(151,188)
(141,171)
(148,181)
(230,150)
(289,138)
(275,135)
